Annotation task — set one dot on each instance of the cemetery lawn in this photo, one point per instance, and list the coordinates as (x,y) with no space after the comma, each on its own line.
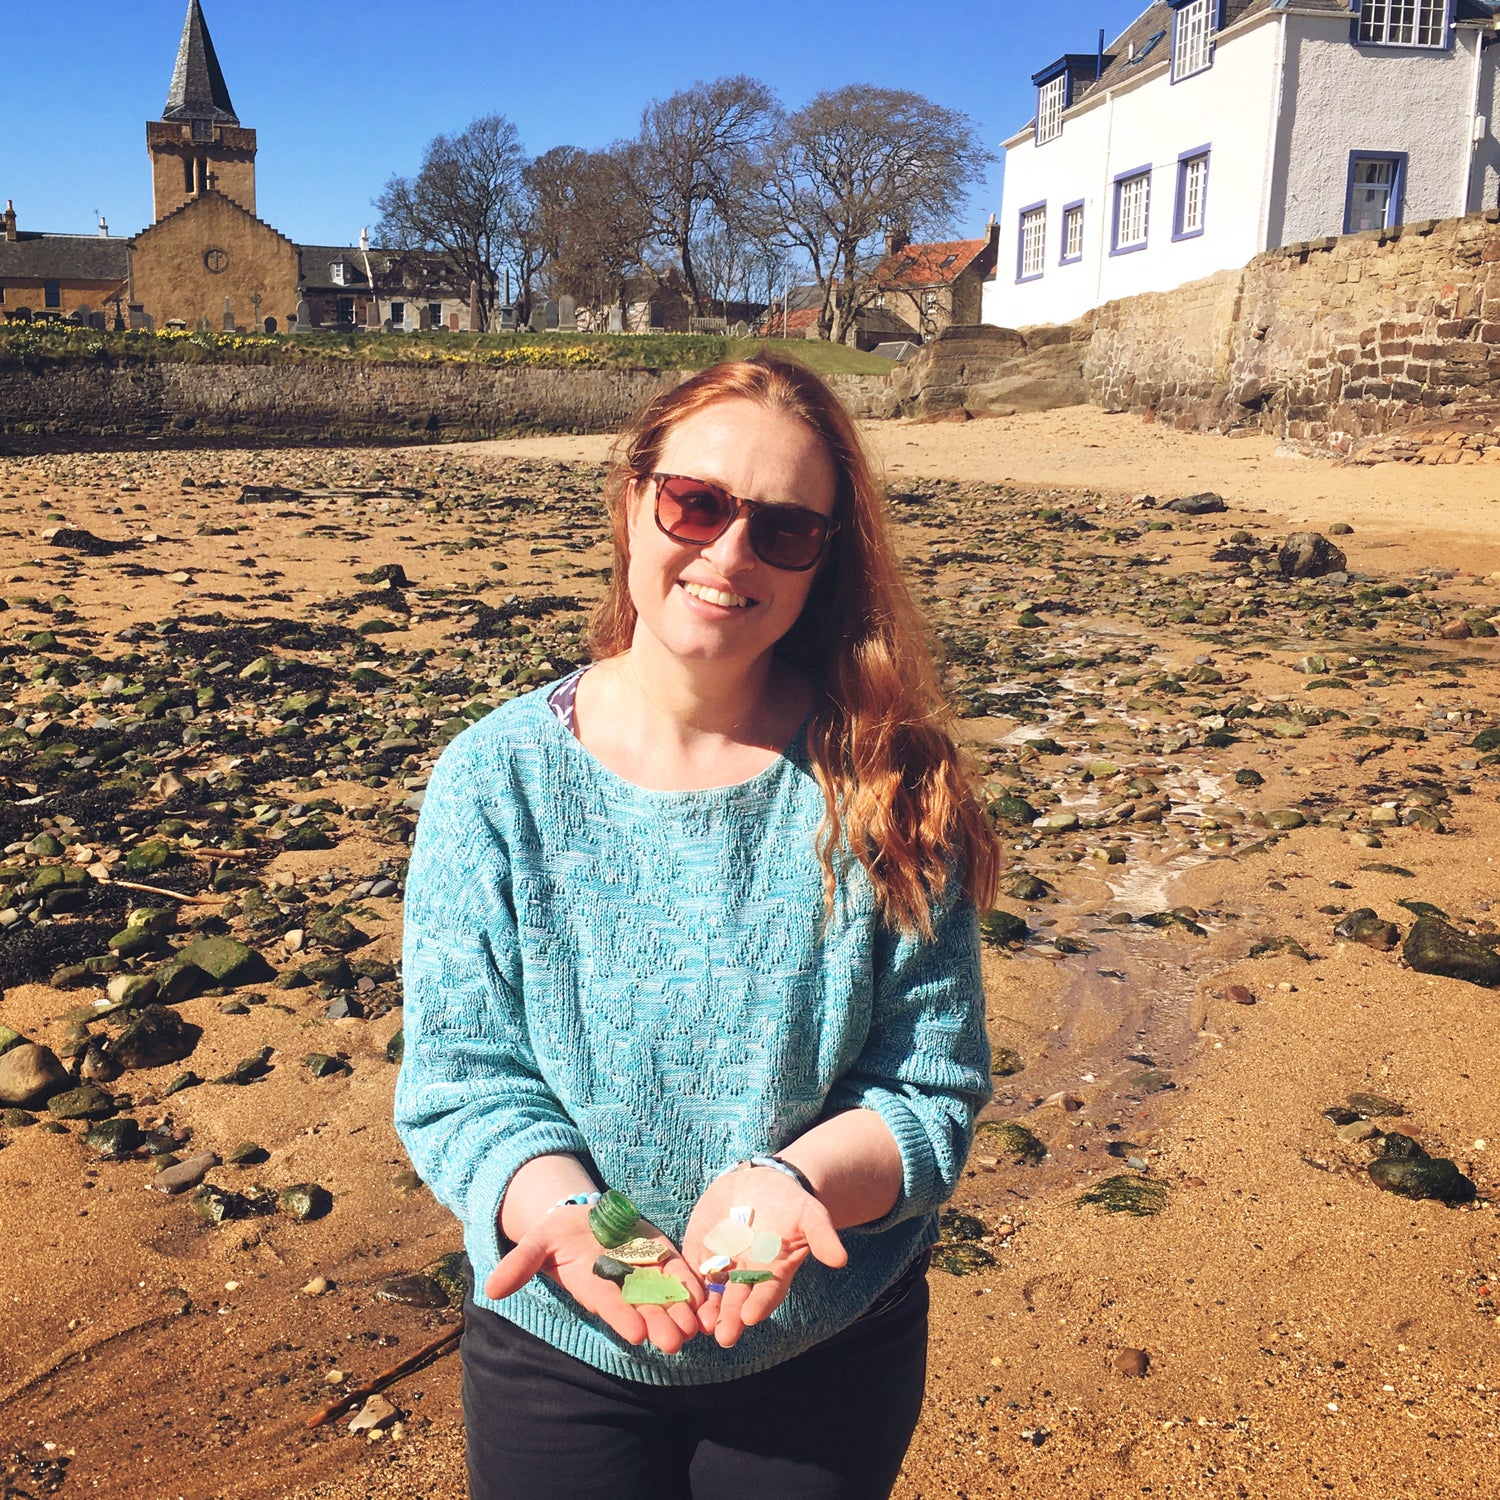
(60,343)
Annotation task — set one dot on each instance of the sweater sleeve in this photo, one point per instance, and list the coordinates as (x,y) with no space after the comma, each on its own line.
(471,1104)
(925,1066)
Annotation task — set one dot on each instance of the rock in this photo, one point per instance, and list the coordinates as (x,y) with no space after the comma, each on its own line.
(1364,926)
(1283,819)
(1377,1105)
(30,1074)
(321,1065)
(114,1139)
(1397,1146)
(1246,777)
(1206,504)
(1024,886)
(97,1065)
(148,858)
(388,573)
(412,1291)
(1341,528)
(1455,630)
(1005,1062)
(395,1049)
(1425,1177)
(1359,1130)
(303,1201)
(156,1036)
(247,1154)
(212,1205)
(1487,739)
(1133,1364)
(1002,929)
(377,1413)
(1433,947)
(1239,995)
(1016,811)
(247,1069)
(185,1174)
(178,980)
(1012,1141)
(184,1080)
(1271,947)
(1152,1081)
(1058,822)
(87,1102)
(227,962)
(315,1288)
(1139,1196)
(1309,554)
(333,930)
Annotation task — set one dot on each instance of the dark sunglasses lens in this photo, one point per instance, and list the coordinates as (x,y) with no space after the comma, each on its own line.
(691,512)
(788,536)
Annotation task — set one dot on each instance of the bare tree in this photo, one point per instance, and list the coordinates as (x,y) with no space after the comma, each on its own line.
(691,158)
(854,164)
(462,202)
(590,226)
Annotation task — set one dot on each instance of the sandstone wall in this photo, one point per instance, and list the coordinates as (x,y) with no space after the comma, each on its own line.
(1323,342)
(70,406)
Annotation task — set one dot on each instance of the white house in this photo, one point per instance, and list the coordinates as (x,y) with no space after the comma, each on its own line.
(1215,129)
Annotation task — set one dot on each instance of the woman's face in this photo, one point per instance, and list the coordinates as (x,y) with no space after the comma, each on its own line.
(718,601)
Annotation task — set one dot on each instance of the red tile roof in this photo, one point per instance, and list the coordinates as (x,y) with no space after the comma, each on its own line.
(939,264)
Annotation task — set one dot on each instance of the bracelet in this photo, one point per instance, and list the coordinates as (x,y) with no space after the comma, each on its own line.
(776,1164)
(576,1200)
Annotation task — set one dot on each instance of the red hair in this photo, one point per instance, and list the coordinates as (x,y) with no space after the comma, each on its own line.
(880,741)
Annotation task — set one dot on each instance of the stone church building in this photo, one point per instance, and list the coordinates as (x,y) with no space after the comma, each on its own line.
(206,260)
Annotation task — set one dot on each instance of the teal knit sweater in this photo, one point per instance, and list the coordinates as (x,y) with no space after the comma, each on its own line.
(645,979)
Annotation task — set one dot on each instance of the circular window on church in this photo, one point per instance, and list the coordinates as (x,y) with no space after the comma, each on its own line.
(216,260)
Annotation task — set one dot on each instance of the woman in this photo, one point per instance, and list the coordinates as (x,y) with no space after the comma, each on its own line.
(697,925)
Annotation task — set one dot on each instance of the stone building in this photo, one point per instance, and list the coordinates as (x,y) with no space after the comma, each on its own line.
(206,260)
(1212,130)
(928,288)
(53,276)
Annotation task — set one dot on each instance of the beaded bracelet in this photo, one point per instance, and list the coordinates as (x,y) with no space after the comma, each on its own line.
(576,1200)
(776,1164)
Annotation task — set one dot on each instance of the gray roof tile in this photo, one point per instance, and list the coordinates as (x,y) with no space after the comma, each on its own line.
(65,257)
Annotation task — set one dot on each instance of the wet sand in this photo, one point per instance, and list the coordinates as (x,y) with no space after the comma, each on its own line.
(1303,1332)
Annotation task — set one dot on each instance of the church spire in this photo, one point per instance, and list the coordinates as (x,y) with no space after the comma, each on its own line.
(198,89)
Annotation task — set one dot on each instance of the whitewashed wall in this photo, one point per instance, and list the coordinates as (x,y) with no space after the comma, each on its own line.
(1229,107)
(1343,98)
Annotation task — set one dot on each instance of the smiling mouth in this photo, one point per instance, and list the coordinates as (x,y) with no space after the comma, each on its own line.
(717,596)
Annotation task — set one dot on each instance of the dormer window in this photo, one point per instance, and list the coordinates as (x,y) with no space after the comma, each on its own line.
(1403,23)
(339,270)
(1051,100)
(1192,28)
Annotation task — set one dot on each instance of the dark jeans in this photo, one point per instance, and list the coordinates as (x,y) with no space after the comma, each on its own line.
(831,1424)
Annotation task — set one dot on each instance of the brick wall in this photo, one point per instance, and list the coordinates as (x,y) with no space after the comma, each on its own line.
(60,407)
(1324,342)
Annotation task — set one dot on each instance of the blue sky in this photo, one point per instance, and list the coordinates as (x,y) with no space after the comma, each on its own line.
(344,96)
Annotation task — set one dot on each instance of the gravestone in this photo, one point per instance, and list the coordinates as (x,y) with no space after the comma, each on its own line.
(82,313)
(304,314)
(203,326)
(742,329)
(505,318)
(567,314)
(270,325)
(228,317)
(617,319)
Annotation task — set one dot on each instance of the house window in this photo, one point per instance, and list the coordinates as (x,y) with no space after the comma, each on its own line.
(1192,194)
(880,300)
(1191,52)
(1051,100)
(340,273)
(1072,234)
(1032,250)
(929,302)
(1376,182)
(1132,210)
(52,294)
(398,315)
(435,314)
(346,310)
(1404,23)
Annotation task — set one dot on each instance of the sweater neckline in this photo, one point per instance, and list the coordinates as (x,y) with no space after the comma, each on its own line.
(790,755)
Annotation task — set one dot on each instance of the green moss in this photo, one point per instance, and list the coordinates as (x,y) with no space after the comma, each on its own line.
(1122,1194)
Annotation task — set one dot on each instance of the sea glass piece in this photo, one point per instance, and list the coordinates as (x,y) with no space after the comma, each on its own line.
(743,1214)
(613,1219)
(728,1238)
(612,1270)
(642,1252)
(749,1278)
(714,1264)
(764,1247)
(647,1287)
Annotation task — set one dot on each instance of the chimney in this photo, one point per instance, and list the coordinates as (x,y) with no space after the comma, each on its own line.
(896,240)
(103,227)
(10,220)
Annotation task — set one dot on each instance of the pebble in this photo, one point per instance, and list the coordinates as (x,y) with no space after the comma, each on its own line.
(375,1414)
(1134,1364)
(315,1288)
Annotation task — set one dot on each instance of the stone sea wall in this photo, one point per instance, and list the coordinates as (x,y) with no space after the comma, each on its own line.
(67,406)
(1324,342)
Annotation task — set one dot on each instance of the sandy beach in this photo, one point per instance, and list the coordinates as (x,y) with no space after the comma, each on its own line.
(1200,768)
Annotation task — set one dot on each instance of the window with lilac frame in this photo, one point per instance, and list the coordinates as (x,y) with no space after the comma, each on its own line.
(1425,24)
(1132,211)
(1031,242)
(1072,234)
(1193,26)
(1189,215)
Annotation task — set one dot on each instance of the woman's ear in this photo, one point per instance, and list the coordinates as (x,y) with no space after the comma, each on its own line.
(635,496)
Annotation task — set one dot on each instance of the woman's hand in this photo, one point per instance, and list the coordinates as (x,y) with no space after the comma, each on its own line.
(561,1245)
(781,1207)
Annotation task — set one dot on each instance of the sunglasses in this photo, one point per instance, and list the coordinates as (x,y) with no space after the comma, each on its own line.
(697,511)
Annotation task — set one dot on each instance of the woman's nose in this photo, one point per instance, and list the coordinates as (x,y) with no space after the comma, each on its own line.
(731,552)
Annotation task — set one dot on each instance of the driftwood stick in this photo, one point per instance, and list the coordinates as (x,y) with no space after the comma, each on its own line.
(438,1346)
(156,890)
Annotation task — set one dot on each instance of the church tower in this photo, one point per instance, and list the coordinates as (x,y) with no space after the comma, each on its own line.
(199,145)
